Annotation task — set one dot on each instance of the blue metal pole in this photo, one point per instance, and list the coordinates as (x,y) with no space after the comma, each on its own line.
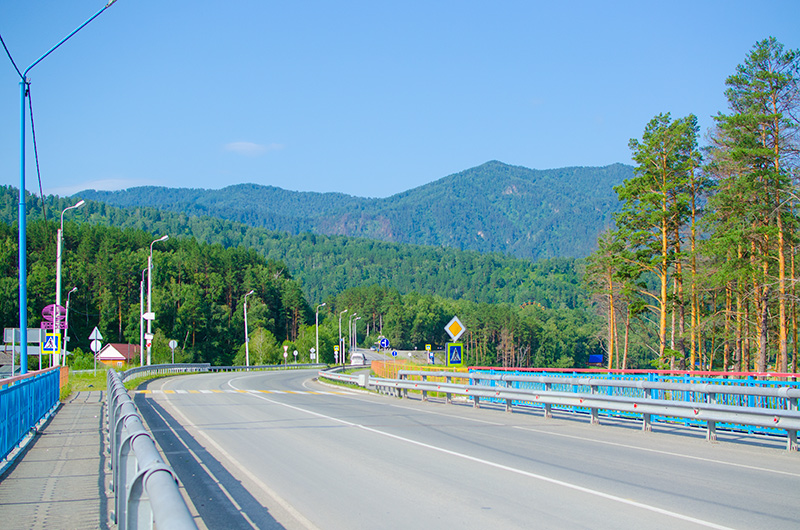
(23,269)
(23,287)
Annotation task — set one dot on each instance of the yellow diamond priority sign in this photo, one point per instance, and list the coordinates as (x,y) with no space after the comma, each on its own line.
(455,328)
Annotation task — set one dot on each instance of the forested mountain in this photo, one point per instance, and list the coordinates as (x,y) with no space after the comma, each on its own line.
(328,265)
(198,299)
(518,313)
(495,207)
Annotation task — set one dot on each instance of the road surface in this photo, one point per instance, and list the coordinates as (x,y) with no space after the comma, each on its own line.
(281,450)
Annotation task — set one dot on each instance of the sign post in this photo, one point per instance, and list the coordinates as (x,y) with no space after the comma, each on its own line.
(95,345)
(172,345)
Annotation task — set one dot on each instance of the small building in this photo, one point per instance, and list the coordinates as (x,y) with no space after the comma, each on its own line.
(116,355)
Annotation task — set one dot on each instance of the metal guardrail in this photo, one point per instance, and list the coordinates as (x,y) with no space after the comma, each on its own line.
(188,368)
(145,487)
(164,369)
(261,367)
(26,402)
(705,410)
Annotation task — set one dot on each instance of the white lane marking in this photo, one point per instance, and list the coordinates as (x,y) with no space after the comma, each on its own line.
(594,440)
(503,467)
(300,518)
(659,451)
(207,470)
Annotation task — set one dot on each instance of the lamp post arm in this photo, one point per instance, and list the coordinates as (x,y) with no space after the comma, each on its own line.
(65,39)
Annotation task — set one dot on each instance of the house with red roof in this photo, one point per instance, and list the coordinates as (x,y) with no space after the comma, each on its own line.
(116,355)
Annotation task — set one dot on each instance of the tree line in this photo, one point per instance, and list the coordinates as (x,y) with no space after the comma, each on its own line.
(699,270)
(198,299)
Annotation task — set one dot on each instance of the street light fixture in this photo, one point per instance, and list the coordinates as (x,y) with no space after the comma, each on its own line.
(23,265)
(58,267)
(246,336)
(340,332)
(66,328)
(316,322)
(149,316)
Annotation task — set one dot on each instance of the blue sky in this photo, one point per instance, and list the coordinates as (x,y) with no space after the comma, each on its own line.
(364,98)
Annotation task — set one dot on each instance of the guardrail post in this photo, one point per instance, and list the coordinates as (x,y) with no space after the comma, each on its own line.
(508,401)
(647,424)
(711,430)
(548,408)
(476,400)
(448,397)
(424,392)
(404,391)
(593,412)
(791,434)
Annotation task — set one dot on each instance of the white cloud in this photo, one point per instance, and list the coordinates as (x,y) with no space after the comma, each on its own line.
(251,149)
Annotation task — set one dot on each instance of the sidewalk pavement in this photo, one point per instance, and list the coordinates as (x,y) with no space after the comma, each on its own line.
(61,481)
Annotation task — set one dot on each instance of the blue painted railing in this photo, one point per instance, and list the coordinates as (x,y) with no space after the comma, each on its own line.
(753,381)
(25,401)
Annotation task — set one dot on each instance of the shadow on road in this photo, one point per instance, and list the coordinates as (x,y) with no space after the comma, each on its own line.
(216,509)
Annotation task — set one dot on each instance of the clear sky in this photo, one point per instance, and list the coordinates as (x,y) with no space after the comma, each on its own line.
(368,98)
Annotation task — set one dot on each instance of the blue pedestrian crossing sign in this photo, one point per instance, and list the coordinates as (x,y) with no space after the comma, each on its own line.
(51,344)
(455,355)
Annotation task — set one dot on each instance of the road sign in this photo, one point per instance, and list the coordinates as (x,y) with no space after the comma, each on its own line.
(95,334)
(173,344)
(384,343)
(455,328)
(50,344)
(96,345)
(428,347)
(336,349)
(149,316)
(454,354)
(394,353)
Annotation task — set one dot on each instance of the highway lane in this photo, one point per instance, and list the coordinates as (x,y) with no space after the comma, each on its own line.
(279,450)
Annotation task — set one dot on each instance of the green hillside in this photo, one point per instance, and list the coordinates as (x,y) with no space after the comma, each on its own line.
(495,207)
(328,265)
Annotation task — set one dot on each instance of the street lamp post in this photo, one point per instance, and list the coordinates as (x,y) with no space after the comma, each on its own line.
(58,266)
(350,335)
(246,336)
(23,265)
(316,323)
(340,332)
(149,316)
(66,328)
(354,344)
(141,319)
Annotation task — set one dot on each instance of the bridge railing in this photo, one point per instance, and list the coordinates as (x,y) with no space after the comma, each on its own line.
(26,401)
(701,403)
(145,488)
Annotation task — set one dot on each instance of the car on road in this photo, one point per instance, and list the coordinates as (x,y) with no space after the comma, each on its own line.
(358,359)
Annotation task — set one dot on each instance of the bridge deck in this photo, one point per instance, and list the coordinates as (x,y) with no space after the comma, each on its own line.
(61,481)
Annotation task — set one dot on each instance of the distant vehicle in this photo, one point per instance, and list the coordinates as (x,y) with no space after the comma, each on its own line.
(358,359)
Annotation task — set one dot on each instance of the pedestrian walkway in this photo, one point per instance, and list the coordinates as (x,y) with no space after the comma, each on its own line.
(61,480)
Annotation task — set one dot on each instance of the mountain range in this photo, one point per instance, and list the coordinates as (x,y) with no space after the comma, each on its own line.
(494,207)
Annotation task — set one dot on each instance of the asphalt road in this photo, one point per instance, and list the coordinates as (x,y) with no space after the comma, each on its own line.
(280,450)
